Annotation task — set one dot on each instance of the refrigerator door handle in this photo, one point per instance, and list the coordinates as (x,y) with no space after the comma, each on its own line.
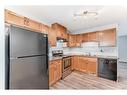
(47,66)
(14,58)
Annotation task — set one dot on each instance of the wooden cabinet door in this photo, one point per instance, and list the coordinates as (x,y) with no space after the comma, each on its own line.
(93,36)
(58,69)
(72,40)
(52,37)
(55,71)
(13,18)
(107,37)
(76,63)
(51,73)
(85,37)
(62,33)
(66,36)
(44,29)
(92,65)
(56,27)
(80,61)
(83,63)
(59,33)
(32,24)
(78,40)
(61,30)
(72,63)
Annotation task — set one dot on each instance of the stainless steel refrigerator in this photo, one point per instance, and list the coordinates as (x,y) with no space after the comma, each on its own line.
(26,59)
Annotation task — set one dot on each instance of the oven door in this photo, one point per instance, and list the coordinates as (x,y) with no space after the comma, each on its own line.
(66,63)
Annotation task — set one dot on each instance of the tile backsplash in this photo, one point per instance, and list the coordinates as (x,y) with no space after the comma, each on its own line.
(93,49)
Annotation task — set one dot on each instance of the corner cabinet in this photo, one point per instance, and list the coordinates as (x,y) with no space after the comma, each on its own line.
(72,40)
(55,71)
(79,39)
(61,31)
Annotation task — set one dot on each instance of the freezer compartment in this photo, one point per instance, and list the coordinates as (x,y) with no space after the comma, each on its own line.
(29,73)
(24,42)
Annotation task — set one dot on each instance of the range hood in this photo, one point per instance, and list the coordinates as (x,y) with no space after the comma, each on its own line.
(62,39)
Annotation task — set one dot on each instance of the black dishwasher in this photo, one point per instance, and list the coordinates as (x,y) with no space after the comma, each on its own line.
(107,68)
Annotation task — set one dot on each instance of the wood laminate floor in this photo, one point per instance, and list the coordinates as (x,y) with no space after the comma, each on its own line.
(79,80)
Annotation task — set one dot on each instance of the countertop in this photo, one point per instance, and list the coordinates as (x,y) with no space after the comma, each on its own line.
(54,58)
(91,56)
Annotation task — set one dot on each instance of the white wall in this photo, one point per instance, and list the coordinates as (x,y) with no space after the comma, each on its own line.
(2,48)
(121,26)
(97,28)
(26,13)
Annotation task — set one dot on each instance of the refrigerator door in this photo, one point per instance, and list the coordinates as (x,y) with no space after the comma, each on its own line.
(29,73)
(24,42)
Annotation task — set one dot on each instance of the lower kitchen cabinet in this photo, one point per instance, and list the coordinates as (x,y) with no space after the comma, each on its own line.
(51,73)
(92,65)
(72,63)
(85,64)
(75,63)
(55,71)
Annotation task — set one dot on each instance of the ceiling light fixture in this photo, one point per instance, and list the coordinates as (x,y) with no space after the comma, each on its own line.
(86,14)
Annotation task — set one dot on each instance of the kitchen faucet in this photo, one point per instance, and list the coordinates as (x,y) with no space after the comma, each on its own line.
(88,53)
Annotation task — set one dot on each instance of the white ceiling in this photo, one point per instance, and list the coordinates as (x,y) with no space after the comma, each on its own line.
(64,15)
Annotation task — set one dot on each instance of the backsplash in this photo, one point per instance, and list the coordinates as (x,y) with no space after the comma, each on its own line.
(94,50)
(112,51)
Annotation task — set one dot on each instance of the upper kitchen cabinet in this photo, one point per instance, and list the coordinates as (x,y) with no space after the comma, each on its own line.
(85,37)
(107,37)
(52,37)
(13,18)
(44,29)
(72,40)
(29,23)
(61,30)
(79,38)
(93,37)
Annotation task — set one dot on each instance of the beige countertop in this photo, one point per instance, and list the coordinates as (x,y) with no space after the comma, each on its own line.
(54,58)
(91,56)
